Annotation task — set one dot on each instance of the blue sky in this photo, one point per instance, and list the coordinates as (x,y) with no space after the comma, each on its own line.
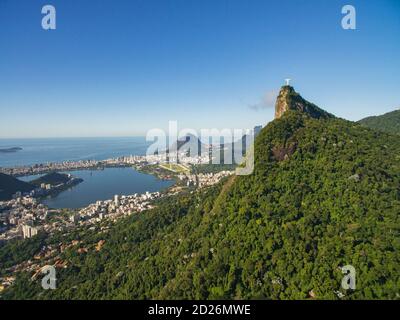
(120,68)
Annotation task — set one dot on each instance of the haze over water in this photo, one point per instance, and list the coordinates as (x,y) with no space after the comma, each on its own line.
(35,151)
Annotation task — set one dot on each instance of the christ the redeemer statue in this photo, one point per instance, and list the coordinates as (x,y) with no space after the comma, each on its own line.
(288,82)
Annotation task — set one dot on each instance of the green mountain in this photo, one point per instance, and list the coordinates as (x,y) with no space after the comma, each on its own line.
(10,185)
(324,194)
(389,122)
(53,178)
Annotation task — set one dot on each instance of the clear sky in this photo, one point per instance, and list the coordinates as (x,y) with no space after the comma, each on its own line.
(120,68)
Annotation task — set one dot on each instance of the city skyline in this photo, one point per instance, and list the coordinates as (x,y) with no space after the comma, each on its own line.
(121,69)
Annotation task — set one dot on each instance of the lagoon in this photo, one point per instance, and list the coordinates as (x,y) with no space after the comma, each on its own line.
(103,185)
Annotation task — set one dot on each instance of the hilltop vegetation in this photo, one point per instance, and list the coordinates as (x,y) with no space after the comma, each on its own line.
(324,193)
(10,185)
(389,122)
(52,178)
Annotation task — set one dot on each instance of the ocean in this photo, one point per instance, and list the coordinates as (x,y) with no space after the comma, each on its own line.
(97,184)
(36,151)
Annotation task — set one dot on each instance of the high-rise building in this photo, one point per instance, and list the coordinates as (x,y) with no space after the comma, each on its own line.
(116,200)
(257,130)
(29,231)
(74,218)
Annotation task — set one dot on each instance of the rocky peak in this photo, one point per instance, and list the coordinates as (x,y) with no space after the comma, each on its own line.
(289,99)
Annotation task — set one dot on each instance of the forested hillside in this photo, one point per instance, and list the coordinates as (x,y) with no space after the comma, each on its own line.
(325,193)
(10,185)
(389,122)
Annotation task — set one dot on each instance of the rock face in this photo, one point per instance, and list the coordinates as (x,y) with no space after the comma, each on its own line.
(289,99)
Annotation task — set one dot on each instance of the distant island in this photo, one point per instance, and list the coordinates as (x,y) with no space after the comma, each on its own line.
(10,150)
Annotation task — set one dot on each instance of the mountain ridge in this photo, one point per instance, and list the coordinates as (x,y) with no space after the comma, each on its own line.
(323,194)
(289,99)
(388,122)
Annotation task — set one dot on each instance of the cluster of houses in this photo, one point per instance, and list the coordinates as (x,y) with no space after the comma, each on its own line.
(21,216)
(203,179)
(25,217)
(117,207)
